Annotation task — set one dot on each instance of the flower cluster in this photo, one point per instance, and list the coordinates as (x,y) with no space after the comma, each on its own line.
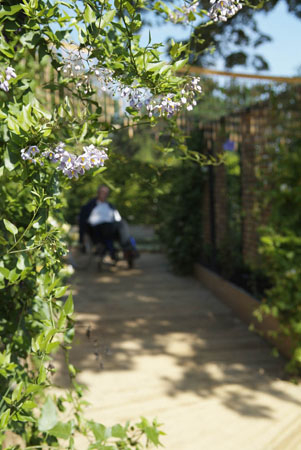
(104,78)
(9,73)
(221,10)
(76,69)
(86,72)
(71,165)
(190,91)
(30,153)
(168,106)
(182,15)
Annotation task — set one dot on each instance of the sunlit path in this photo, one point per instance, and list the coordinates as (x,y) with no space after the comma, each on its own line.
(153,344)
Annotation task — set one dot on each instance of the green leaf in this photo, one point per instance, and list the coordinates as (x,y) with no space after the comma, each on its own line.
(9,11)
(130,9)
(13,276)
(98,171)
(29,405)
(152,435)
(89,15)
(83,132)
(32,388)
(10,227)
(26,115)
(21,418)
(30,39)
(152,67)
(4,272)
(118,431)
(61,430)
(9,161)
(21,263)
(4,418)
(68,306)
(17,393)
(60,291)
(179,64)
(52,346)
(42,375)
(61,320)
(99,430)
(297,354)
(107,18)
(47,132)
(48,418)
(72,370)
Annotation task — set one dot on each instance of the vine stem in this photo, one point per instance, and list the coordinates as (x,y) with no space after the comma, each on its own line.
(129,36)
(39,446)
(26,229)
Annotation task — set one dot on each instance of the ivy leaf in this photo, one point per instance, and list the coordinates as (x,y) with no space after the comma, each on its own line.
(10,227)
(48,418)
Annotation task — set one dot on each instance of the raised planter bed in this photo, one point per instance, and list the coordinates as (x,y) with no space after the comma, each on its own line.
(243,305)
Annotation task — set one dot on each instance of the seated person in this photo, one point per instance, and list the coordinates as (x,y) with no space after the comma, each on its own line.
(103,223)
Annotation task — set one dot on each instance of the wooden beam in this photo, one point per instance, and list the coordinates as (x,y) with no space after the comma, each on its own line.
(202,70)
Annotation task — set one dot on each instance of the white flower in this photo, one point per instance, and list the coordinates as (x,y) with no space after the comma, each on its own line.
(69,164)
(4,86)
(291,272)
(27,155)
(283,187)
(221,10)
(183,14)
(136,97)
(10,73)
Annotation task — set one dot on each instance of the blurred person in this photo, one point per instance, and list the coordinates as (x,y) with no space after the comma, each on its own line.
(103,222)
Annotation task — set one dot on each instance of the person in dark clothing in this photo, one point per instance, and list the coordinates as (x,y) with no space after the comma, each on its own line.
(102,221)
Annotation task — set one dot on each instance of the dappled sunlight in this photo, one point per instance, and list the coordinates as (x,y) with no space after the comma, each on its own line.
(150,342)
(146,298)
(108,279)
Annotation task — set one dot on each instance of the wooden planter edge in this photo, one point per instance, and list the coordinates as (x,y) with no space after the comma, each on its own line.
(243,305)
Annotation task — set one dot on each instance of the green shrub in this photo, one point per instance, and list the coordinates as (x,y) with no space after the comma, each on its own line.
(280,245)
(180,228)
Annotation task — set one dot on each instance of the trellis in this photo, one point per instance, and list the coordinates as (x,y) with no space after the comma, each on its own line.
(251,132)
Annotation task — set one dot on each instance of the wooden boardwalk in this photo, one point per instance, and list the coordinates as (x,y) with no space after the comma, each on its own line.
(163,346)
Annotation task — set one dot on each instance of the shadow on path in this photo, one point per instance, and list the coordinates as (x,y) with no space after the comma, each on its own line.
(174,338)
